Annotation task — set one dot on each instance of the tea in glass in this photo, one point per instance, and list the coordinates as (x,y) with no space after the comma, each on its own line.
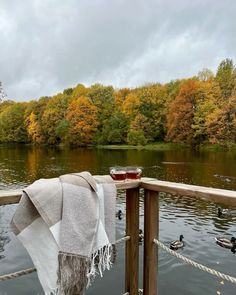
(133,172)
(118,173)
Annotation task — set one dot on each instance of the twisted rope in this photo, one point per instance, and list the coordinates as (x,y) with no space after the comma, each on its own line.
(17,274)
(124,239)
(30,270)
(139,291)
(195,264)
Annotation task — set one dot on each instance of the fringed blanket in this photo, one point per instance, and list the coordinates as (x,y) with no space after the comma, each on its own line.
(67,225)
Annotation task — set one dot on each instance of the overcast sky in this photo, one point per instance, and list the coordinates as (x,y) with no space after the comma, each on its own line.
(49,45)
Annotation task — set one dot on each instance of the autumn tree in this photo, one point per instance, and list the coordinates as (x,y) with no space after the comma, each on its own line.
(138,130)
(153,100)
(221,124)
(120,96)
(226,77)
(131,105)
(34,129)
(181,113)
(83,122)
(207,100)
(103,98)
(54,113)
(79,90)
(12,124)
(115,130)
(33,119)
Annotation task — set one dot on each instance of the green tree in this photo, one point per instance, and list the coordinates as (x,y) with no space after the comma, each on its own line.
(226,77)
(12,124)
(103,98)
(221,124)
(207,100)
(136,137)
(153,107)
(53,114)
(115,130)
(79,90)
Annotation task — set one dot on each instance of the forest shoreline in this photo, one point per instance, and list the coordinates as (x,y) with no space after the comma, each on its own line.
(157,146)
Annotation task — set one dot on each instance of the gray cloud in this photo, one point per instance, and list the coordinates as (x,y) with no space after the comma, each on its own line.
(50,45)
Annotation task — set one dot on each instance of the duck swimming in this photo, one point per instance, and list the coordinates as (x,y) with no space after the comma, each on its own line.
(233,249)
(175,245)
(140,236)
(223,213)
(119,214)
(226,243)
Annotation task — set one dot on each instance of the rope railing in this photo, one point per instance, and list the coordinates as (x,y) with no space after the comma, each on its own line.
(17,274)
(195,264)
(30,270)
(140,291)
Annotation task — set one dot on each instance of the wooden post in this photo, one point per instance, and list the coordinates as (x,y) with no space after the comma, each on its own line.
(132,245)
(151,231)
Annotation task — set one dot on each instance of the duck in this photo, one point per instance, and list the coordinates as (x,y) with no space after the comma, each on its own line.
(223,212)
(119,214)
(175,245)
(226,243)
(140,236)
(233,249)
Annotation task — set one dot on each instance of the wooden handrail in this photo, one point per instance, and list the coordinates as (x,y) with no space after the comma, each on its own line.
(13,196)
(208,193)
(152,187)
(213,194)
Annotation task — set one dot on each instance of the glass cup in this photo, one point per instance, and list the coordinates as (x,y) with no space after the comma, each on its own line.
(118,173)
(133,172)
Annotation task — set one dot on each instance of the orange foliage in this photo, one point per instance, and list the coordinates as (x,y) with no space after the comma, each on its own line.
(131,105)
(34,129)
(82,115)
(181,113)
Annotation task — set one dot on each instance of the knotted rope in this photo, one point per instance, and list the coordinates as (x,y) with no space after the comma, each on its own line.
(195,264)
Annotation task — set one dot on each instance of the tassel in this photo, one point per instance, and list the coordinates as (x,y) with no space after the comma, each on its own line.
(72,274)
(76,272)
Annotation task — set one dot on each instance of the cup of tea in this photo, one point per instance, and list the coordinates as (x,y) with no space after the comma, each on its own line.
(118,173)
(133,172)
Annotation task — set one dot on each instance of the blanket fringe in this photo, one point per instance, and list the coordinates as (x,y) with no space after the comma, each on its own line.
(100,261)
(72,279)
(76,272)
(53,292)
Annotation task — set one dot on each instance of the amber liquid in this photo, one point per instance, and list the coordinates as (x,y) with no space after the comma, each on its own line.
(133,174)
(118,175)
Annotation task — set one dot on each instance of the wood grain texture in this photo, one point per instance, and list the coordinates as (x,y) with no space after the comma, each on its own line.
(151,232)
(132,246)
(209,193)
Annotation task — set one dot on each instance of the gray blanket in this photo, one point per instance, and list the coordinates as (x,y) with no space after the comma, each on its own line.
(67,224)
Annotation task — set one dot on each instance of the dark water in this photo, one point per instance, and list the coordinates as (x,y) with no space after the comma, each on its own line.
(195,219)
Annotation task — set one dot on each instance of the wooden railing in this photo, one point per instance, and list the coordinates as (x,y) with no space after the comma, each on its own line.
(152,188)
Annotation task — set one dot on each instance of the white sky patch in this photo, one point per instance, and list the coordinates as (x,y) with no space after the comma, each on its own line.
(47,46)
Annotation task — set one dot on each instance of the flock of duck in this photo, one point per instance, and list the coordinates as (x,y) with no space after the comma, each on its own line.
(221,241)
(178,244)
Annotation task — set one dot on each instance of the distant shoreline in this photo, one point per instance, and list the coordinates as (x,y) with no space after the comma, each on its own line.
(157,146)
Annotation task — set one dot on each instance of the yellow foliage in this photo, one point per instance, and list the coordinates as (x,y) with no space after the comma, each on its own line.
(82,115)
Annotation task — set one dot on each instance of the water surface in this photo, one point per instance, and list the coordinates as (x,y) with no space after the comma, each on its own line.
(195,219)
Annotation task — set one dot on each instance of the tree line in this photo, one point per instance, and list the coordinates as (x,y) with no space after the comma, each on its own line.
(198,110)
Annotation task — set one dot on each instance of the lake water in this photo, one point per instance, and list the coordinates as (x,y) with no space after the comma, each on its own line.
(196,219)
